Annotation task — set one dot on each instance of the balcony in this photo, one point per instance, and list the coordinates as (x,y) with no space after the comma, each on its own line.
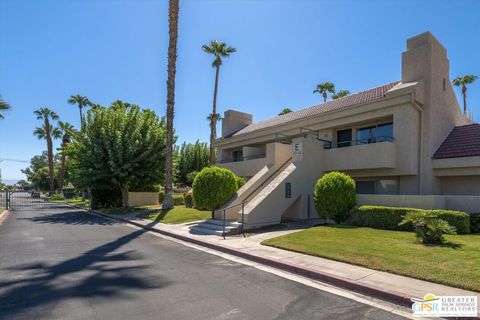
(375,153)
(245,166)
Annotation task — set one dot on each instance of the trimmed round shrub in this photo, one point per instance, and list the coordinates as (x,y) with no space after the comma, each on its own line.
(212,187)
(240,181)
(334,196)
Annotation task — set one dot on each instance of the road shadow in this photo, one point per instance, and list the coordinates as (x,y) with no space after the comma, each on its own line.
(100,272)
(72,217)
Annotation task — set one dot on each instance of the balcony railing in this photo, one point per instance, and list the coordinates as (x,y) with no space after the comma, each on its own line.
(350,143)
(243,158)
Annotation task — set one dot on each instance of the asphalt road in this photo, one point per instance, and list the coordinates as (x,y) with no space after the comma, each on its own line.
(59,263)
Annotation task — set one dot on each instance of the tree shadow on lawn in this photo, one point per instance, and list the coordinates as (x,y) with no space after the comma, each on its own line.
(99,272)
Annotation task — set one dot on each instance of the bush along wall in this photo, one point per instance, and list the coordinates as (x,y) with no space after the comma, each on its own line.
(475,222)
(388,218)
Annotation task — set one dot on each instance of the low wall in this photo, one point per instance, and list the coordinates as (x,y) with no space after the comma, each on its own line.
(136,199)
(460,203)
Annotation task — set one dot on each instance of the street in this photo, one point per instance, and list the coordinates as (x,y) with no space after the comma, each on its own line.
(60,263)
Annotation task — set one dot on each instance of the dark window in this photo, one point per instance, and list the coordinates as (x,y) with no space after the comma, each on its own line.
(378,133)
(237,155)
(344,138)
(365,187)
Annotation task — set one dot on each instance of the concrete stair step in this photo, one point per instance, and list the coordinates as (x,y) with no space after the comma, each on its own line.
(220,222)
(215,227)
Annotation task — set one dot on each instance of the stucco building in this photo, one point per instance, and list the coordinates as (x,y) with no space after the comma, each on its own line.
(406,143)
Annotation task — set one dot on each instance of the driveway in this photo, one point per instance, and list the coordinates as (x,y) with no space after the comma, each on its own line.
(59,263)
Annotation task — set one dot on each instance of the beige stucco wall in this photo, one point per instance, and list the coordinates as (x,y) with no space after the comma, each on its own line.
(136,199)
(366,156)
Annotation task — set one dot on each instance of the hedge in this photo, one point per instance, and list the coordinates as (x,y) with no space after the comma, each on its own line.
(475,222)
(388,218)
(177,198)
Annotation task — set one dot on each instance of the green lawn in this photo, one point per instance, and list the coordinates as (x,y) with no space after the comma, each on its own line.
(456,263)
(74,202)
(179,214)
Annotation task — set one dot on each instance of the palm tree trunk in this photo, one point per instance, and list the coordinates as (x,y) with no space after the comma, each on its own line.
(172,60)
(213,120)
(81,115)
(50,156)
(62,168)
(464,93)
(324,96)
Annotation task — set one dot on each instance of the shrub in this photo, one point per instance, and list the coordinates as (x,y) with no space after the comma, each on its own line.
(334,195)
(148,188)
(190,177)
(161,196)
(178,199)
(475,222)
(240,181)
(57,196)
(188,198)
(213,186)
(389,218)
(428,226)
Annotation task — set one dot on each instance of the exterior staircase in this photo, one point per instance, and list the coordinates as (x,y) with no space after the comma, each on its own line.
(215,227)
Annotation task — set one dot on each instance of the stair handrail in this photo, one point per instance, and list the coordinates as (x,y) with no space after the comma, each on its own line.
(224,220)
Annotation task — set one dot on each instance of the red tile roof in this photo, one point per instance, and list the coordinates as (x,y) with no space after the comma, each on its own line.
(463,141)
(348,101)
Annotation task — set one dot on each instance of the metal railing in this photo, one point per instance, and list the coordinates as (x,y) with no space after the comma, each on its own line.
(358,142)
(223,210)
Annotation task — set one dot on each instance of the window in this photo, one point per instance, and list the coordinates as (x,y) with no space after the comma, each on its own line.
(365,187)
(237,155)
(378,133)
(344,138)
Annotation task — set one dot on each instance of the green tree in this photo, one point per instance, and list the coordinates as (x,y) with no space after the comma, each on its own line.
(118,150)
(4,106)
(48,132)
(324,88)
(340,94)
(191,159)
(81,102)
(285,111)
(219,50)
(462,82)
(67,131)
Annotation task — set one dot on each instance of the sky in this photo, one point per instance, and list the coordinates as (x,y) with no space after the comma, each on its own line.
(117,49)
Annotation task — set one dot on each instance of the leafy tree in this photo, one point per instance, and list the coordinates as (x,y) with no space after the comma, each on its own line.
(462,82)
(173,9)
(219,50)
(324,88)
(67,131)
(334,195)
(118,150)
(191,159)
(47,131)
(212,187)
(4,106)
(428,226)
(340,94)
(37,173)
(285,111)
(81,102)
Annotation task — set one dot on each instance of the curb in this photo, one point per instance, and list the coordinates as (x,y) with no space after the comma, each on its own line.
(337,281)
(4,216)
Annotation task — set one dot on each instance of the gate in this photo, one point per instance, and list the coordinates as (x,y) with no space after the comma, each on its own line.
(21,200)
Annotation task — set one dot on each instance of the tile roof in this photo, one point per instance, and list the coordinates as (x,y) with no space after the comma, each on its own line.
(348,101)
(463,141)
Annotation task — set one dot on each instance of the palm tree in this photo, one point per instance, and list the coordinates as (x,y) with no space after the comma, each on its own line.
(219,50)
(66,130)
(173,8)
(47,132)
(462,82)
(285,111)
(324,88)
(4,106)
(340,94)
(81,101)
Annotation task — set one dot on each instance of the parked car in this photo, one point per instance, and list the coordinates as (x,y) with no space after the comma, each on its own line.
(35,195)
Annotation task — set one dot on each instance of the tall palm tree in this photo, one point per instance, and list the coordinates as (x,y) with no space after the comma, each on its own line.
(324,88)
(219,50)
(4,106)
(173,8)
(340,94)
(462,82)
(82,102)
(66,131)
(47,132)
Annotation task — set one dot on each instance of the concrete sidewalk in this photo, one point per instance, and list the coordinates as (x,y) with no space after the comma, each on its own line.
(383,285)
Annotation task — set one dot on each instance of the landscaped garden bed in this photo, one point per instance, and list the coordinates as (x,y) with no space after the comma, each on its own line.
(455,263)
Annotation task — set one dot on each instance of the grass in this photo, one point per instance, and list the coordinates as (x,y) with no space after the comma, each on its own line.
(74,202)
(179,214)
(455,263)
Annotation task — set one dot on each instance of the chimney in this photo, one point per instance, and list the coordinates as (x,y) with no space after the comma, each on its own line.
(233,121)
